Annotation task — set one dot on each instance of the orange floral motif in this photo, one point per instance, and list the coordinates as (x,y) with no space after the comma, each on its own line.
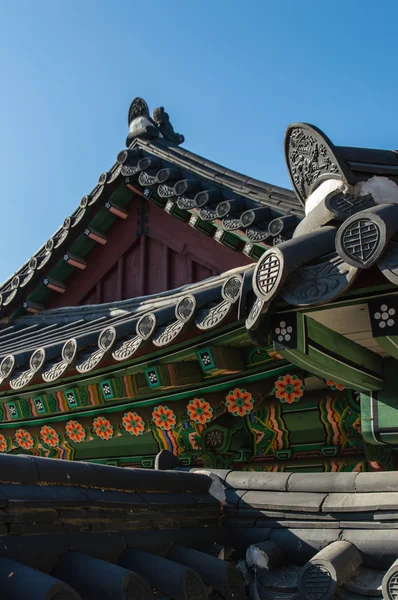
(24,439)
(164,418)
(49,436)
(75,431)
(3,443)
(200,411)
(239,402)
(289,388)
(103,428)
(133,423)
(335,386)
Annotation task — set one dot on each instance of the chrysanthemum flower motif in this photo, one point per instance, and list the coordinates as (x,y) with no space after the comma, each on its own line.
(289,388)
(385,316)
(239,402)
(103,428)
(200,411)
(334,386)
(3,443)
(133,423)
(75,431)
(24,439)
(164,418)
(49,436)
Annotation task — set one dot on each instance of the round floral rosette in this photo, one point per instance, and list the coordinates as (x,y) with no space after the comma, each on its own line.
(133,423)
(164,418)
(24,439)
(289,388)
(200,411)
(49,436)
(75,432)
(103,428)
(239,402)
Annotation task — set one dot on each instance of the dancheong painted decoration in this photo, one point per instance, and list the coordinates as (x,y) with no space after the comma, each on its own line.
(198,390)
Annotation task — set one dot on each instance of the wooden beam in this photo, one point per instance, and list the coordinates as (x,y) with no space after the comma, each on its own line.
(75,261)
(95,236)
(53,284)
(116,210)
(326,353)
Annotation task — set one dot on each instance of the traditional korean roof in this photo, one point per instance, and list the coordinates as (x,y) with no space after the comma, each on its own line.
(79,530)
(350,227)
(240,212)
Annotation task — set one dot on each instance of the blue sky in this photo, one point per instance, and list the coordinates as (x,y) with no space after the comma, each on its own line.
(231,74)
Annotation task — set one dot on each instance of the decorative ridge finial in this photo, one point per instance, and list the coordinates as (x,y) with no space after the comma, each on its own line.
(143,126)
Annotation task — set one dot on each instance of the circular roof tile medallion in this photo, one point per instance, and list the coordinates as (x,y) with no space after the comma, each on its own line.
(49,245)
(185,308)
(7,366)
(103,178)
(84,202)
(33,264)
(359,242)
(122,157)
(107,338)
(67,223)
(392,586)
(268,274)
(317,582)
(231,288)
(69,350)
(37,359)
(15,282)
(146,326)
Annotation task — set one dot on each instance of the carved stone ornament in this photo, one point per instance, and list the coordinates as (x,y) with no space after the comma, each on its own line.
(167,334)
(254,234)
(209,318)
(146,326)
(346,205)
(310,157)
(144,179)
(162,120)
(165,191)
(319,283)
(89,363)
(186,203)
(231,288)
(127,349)
(363,238)
(256,314)
(232,223)
(36,363)
(185,308)
(208,214)
(55,371)
(138,108)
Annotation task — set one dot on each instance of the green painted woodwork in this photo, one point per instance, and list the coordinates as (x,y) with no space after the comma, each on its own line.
(379,410)
(152,377)
(71,398)
(40,405)
(330,355)
(206,360)
(219,427)
(107,389)
(13,409)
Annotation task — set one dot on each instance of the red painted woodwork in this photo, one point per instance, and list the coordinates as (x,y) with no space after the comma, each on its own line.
(148,252)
